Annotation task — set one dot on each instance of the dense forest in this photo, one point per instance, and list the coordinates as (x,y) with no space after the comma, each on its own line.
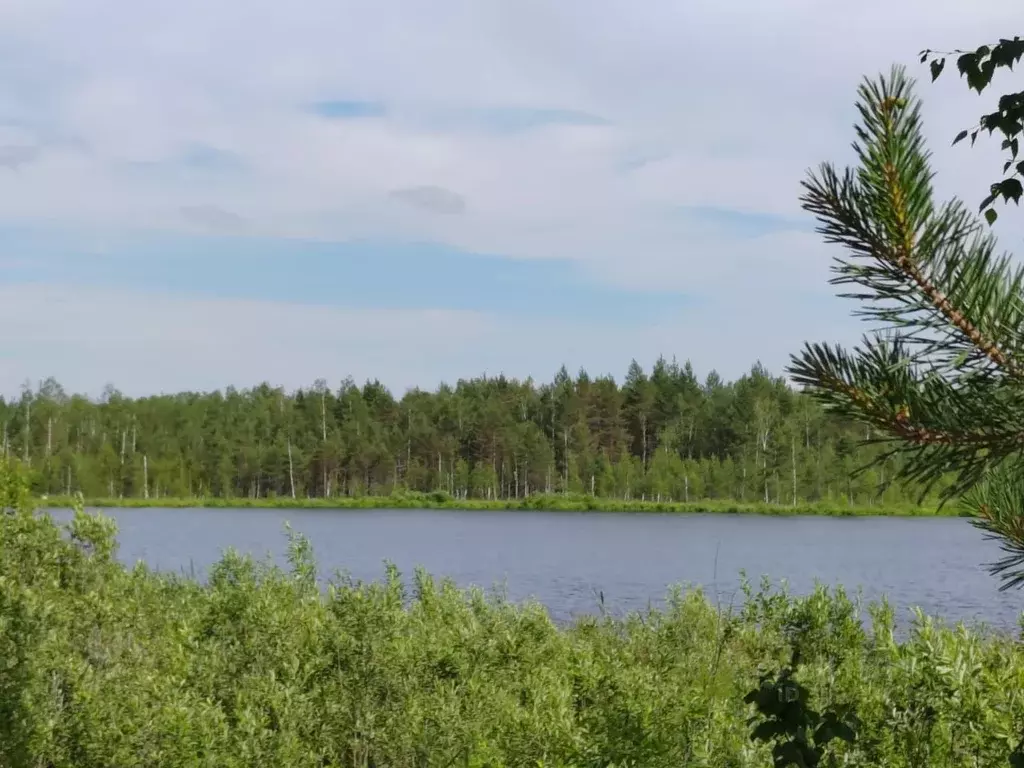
(663,435)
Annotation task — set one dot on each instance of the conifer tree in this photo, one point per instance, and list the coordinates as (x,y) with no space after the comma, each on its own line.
(941,375)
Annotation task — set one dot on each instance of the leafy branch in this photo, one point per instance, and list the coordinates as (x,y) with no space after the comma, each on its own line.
(799,734)
(978,67)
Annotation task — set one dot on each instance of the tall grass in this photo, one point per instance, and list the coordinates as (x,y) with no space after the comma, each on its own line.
(103,665)
(546,502)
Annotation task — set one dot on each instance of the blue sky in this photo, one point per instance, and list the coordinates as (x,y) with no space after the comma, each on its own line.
(421,194)
(357,274)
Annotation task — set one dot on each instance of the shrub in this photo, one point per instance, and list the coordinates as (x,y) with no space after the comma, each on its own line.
(112,666)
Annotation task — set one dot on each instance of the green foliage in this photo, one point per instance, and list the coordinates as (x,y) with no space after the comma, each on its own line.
(660,436)
(784,718)
(978,68)
(108,666)
(942,382)
(541,501)
(15,491)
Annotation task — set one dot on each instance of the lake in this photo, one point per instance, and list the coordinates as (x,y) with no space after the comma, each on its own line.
(567,559)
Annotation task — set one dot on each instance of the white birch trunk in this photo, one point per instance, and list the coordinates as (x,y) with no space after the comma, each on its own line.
(291,468)
(793,461)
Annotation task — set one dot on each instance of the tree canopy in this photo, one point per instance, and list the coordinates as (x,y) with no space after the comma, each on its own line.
(662,434)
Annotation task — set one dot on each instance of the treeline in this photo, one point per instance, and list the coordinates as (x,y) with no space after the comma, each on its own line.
(663,435)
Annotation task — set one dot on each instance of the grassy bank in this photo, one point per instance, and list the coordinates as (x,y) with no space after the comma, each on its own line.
(553,502)
(109,666)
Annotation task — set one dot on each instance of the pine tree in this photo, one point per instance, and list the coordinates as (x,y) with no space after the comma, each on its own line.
(942,375)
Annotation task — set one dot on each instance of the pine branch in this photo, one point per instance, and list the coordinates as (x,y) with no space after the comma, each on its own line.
(933,271)
(946,387)
(995,505)
(939,425)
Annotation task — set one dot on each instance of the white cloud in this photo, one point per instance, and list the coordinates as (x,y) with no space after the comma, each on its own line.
(728,104)
(143,343)
(152,342)
(740,99)
(431,199)
(212,217)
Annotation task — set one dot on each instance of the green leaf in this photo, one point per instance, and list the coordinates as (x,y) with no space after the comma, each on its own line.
(1011,189)
(1009,102)
(960,137)
(984,76)
(792,754)
(991,216)
(937,66)
(967,64)
(844,732)
(1008,52)
(767,731)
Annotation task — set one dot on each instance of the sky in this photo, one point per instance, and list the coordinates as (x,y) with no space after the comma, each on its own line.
(195,194)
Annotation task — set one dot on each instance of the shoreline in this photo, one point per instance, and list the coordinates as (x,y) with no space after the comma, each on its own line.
(538,503)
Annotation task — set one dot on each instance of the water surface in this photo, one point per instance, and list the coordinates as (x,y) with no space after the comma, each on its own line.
(567,559)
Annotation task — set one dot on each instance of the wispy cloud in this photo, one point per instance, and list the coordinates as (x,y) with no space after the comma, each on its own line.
(529,112)
(617,138)
(742,224)
(341,109)
(149,342)
(431,199)
(15,156)
(212,217)
(392,276)
(203,157)
(507,120)
(499,120)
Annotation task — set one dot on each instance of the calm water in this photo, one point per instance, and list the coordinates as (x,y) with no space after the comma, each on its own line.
(565,559)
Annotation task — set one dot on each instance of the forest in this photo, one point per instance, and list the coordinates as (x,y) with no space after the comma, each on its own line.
(662,435)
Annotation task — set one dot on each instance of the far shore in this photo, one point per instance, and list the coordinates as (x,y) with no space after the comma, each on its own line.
(539,502)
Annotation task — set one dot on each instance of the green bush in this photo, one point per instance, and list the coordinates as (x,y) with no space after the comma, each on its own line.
(109,666)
